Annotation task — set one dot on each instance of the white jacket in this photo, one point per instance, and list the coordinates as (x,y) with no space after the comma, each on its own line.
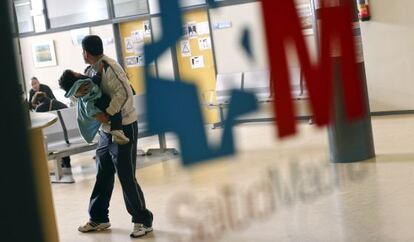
(115,83)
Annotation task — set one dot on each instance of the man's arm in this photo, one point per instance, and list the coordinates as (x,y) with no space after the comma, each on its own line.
(118,85)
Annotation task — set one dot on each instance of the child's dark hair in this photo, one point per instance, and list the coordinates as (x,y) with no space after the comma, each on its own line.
(39,97)
(67,79)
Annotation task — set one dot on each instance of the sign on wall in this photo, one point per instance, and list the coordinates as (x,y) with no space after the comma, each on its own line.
(77,35)
(133,61)
(147,28)
(185,48)
(192,30)
(129,45)
(204,43)
(197,62)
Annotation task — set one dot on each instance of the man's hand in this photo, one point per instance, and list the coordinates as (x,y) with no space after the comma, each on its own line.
(102,117)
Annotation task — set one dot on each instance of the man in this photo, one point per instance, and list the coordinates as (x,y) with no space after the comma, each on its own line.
(37,87)
(111,157)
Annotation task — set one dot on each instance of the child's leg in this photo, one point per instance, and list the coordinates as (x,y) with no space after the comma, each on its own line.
(118,135)
(116,120)
(116,129)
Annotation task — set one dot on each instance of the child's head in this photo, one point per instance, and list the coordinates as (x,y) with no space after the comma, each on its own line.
(68,79)
(38,98)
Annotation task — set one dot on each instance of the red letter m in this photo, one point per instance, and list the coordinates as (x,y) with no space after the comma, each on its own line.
(282,25)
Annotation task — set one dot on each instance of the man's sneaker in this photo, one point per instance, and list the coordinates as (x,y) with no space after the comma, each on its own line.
(92,226)
(140,230)
(119,137)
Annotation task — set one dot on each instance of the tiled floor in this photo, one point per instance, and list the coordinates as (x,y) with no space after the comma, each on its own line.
(272,190)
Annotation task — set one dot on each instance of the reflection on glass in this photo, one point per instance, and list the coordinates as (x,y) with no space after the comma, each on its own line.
(24,18)
(130,7)
(188,3)
(66,13)
(154,5)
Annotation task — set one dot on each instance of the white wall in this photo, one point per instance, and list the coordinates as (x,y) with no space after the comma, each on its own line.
(164,62)
(388,42)
(230,57)
(68,55)
(227,49)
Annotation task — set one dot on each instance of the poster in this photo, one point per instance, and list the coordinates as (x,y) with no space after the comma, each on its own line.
(107,41)
(204,43)
(197,62)
(203,28)
(134,61)
(137,36)
(185,48)
(185,31)
(138,42)
(138,48)
(192,30)
(223,25)
(147,28)
(77,35)
(129,45)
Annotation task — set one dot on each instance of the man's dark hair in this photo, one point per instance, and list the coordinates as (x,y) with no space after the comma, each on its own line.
(34,78)
(67,79)
(93,45)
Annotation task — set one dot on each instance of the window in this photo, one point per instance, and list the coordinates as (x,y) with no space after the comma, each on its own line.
(154,5)
(24,18)
(188,3)
(65,13)
(130,7)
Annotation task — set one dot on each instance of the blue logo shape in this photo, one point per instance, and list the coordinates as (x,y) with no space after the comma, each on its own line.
(212,3)
(246,43)
(173,106)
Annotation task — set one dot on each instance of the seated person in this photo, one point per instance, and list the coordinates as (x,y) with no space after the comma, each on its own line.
(42,103)
(38,87)
(91,101)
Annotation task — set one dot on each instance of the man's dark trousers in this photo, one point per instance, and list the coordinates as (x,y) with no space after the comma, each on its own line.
(111,158)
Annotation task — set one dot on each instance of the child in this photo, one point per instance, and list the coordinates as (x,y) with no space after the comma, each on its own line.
(91,101)
(43,103)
